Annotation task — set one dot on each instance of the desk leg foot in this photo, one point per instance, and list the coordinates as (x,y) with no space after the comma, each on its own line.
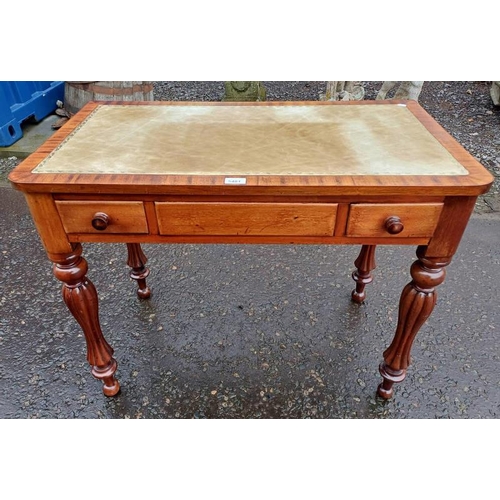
(111,386)
(80,296)
(137,261)
(416,304)
(390,377)
(365,264)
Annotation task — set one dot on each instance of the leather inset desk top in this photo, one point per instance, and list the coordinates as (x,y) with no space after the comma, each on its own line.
(252,140)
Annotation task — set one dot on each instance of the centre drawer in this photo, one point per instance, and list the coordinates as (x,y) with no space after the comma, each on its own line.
(252,219)
(103,216)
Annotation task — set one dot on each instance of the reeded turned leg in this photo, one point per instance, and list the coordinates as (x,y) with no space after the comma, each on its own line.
(365,264)
(137,261)
(416,304)
(80,296)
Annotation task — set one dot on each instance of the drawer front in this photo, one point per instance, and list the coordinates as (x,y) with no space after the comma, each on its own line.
(404,220)
(252,219)
(109,216)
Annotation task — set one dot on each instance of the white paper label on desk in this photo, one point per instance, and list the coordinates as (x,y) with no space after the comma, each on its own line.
(235,180)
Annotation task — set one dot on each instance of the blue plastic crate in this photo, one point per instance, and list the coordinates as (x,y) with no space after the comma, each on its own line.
(22,100)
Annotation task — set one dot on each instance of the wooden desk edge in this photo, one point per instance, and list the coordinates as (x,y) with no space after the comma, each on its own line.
(477,182)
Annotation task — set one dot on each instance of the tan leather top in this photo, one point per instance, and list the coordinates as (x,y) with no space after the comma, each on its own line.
(252,140)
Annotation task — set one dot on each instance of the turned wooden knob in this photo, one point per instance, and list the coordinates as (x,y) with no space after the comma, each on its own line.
(393,225)
(100,221)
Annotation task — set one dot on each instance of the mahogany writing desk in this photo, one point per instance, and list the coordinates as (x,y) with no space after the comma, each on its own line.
(363,173)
